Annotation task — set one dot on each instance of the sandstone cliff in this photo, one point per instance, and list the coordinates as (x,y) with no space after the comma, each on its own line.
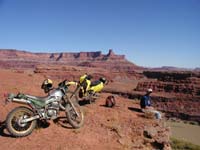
(176,92)
(23,59)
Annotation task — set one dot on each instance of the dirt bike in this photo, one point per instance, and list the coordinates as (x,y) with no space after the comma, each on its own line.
(22,120)
(88,90)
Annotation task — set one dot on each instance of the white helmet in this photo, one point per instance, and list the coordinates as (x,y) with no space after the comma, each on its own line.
(149,90)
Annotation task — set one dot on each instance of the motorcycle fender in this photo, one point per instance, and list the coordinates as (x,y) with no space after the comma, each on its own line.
(97,88)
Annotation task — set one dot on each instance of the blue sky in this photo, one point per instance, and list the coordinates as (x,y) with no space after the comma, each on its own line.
(150,33)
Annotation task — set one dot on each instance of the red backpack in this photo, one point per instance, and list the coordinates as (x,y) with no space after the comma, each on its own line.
(110,101)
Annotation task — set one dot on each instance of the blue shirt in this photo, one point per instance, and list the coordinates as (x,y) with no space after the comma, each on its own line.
(145,101)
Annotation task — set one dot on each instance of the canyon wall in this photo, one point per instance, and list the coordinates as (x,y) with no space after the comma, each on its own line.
(21,59)
(187,82)
(176,92)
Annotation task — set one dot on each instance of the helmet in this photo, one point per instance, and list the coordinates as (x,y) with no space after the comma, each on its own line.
(102,79)
(149,90)
(110,101)
(85,77)
(47,85)
(89,77)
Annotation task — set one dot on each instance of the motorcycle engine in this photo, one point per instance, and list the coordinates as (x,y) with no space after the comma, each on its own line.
(53,109)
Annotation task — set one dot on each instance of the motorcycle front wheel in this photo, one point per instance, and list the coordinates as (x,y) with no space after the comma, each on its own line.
(74,115)
(14,123)
(69,95)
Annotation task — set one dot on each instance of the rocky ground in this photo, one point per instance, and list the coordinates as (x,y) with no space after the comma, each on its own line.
(175,92)
(121,127)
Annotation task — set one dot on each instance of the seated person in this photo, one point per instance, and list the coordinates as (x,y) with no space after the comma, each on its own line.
(145,104)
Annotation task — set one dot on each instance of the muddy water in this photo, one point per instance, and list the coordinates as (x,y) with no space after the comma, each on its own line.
(186,132)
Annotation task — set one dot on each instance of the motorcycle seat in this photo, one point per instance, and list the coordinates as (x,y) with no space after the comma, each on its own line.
(39,98)
(94,83)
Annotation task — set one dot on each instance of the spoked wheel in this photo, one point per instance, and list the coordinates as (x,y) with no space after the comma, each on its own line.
(14,123)
(74,115)
(68,95)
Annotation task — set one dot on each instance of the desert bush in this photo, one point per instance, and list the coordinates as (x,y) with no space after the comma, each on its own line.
(168,88)
(194,123)
(30,75)
(183,145)
(198,93)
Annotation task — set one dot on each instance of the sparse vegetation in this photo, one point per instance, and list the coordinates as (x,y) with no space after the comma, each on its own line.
(185,131)
(183,145)
(30,75)
(198,92)
(168,88)
(184,121)
(194,123)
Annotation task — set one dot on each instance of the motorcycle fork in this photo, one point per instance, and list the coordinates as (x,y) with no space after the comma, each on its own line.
(74,108)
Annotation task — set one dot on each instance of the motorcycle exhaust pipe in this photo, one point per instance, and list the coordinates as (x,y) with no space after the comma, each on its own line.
(20,101)
(30,119)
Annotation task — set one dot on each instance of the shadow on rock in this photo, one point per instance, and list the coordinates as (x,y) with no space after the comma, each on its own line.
(84,102)
(135,109)
(43,124)
(2,129)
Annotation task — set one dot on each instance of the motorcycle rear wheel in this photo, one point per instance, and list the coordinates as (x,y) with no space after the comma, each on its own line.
(14,125)
(74,120)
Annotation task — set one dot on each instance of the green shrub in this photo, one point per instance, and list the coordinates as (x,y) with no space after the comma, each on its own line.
(183,145)
(168,88)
